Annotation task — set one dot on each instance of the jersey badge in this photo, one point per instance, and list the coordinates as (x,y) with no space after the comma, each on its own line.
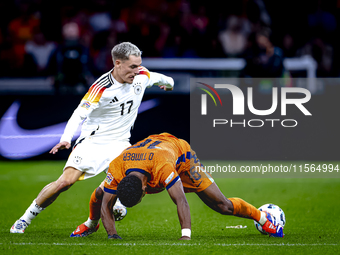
(138,89)
(86,105)
(77,160)
(169,178)
(109,178)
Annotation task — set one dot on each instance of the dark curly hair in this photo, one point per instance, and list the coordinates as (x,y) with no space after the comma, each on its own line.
(129,190)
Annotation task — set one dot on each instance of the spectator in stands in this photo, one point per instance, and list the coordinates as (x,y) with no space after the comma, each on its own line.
(175,28)
(20,31)
(234,37)
(322,52)
(100,59)
(100,18)
(289,46)
(322,24)
(71,62)
(258,14)
(263,58)
(41,52)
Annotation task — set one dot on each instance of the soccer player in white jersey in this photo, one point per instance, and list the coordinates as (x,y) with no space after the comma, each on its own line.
(108,112)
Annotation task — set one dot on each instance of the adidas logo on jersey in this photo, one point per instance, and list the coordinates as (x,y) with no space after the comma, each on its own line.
(115,99)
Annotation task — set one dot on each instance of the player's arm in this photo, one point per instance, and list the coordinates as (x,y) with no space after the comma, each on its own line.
(162,81)
(157,79)
(107,216)
(165,88)
(72,125)
(177,195)
(80,113)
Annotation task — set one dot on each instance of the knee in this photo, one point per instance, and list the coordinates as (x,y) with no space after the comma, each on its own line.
(99,193)
(63,185)
(226,208)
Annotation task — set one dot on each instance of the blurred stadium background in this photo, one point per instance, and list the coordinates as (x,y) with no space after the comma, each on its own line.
(51,52)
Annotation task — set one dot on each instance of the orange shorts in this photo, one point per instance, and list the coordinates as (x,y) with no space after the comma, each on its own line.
(192,174)
(195,179)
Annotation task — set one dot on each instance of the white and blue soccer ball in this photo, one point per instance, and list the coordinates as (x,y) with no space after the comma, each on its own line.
(119,211)
(277,213)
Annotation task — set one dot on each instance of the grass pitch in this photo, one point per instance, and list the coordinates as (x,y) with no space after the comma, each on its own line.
(311,206)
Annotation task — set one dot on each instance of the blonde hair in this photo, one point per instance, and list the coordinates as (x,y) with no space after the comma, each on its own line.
(123,51)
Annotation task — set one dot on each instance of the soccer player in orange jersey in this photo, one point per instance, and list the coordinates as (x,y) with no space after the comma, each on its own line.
(165,162)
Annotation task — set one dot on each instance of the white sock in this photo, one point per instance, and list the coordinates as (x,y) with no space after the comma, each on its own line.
(263,218)
(91,223)
(32,211)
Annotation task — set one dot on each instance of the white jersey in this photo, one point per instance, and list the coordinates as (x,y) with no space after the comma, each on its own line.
(110,108)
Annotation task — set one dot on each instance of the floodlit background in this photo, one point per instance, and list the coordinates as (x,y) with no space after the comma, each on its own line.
(52,51)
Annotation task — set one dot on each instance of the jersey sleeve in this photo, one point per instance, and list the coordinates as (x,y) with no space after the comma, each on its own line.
(114,175)
(110,184)
(168,176)
(156,79)
(89,102)
(72,125)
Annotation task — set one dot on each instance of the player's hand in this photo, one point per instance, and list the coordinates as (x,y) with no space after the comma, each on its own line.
(60,146)
(165,88)
(185,238)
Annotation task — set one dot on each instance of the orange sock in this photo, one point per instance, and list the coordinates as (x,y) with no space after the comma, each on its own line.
(244,209)
(95,206)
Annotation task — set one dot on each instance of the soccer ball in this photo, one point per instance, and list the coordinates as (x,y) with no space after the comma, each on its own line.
(119,211)
(277,213)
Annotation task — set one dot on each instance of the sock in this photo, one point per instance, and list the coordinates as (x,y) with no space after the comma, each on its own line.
(263,218)
(91,223)
(32,211)
(244,209)
(95,207)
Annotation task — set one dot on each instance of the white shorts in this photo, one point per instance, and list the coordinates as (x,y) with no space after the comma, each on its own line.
(93,156)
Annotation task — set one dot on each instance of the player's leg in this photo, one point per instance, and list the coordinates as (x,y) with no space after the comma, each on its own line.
(105,153)
(51,191)
(196,179)
(46,197)
(96,204)
(92,224)
(214,198)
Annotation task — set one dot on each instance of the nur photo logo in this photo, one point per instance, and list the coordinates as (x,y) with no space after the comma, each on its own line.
(204,97)
(294,96)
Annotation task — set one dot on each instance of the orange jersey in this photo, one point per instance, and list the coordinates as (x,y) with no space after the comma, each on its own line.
(164,159)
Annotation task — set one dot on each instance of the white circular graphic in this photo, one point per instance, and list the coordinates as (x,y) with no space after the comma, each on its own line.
(138,89)
(77,160)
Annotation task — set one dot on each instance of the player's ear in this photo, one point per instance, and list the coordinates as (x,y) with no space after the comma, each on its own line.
(117,63)
(144,186)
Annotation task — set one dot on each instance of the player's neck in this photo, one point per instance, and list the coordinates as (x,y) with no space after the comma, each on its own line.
(142,177)
(116,76)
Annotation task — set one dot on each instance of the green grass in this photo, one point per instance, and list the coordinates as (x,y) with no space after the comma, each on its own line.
(311,206)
